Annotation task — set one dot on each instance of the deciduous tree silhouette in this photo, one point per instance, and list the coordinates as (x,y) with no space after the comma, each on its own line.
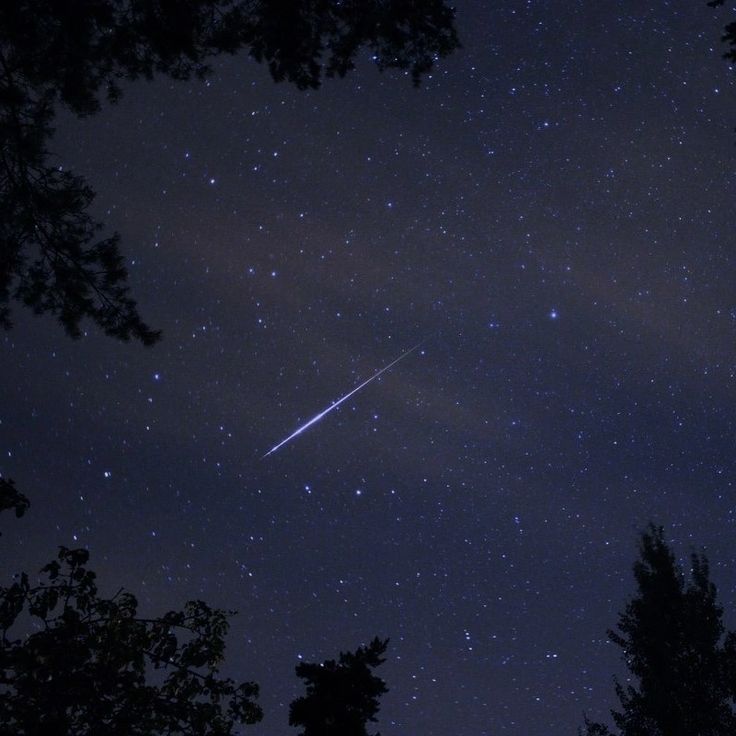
(77,54)
(92,665)
(674,644)
(342,697)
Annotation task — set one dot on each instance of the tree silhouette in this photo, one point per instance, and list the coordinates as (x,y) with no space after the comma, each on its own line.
(93,666)
(672,638)
(78,54)
(729,33)
(342,697)
(12,498)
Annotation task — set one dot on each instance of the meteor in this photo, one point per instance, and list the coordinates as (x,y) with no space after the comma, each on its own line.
(337,403)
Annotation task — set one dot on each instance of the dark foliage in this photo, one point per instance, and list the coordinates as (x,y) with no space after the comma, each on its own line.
(342,697)
(78,54)
(672,638)
(51,258)
(12,498)
(92,666)
(729,34)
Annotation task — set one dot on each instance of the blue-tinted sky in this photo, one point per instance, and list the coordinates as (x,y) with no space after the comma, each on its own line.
(553,213)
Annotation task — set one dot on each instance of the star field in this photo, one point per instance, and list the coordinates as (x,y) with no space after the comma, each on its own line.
(552,213)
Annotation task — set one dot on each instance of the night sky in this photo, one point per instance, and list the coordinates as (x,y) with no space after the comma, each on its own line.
(551,214)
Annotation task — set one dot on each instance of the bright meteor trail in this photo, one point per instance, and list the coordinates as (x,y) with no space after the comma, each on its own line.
(337,403)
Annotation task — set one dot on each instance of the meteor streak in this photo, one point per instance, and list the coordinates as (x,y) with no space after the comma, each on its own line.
(337,403)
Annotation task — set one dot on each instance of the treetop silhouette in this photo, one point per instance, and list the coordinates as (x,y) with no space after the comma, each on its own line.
(93,665)
(729,33)
(12,498)
(342,696)
(675,646)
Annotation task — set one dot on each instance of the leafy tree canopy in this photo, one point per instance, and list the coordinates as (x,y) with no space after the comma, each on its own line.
(77,54)
(94,666)
(680,657)
(342,696)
